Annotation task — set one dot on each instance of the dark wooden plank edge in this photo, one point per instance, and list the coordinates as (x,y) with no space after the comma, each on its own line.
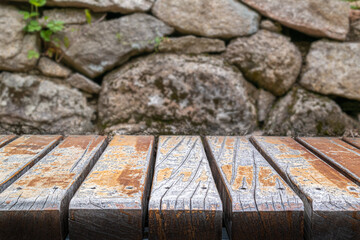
(220,185)
(9,140)
(147,189)
(347,140)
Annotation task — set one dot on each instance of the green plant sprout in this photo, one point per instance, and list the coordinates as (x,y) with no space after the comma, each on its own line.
(45,29)
(355,7)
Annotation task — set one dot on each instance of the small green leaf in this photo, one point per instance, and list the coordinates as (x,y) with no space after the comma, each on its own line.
(55,26)
(37,3)
(46,18)
(355,7)
(66,42)
(26,15)
(34,14)
(33,54)
(88,16)
(46,35)
(50,52)
(33,26)
(119,36)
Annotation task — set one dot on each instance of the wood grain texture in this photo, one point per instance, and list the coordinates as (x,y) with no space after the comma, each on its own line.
(112,201)
(5,139)
(340,155)
(184,202)
(258,203)
(21,154)
(36,205)
(332,201)
(353,141)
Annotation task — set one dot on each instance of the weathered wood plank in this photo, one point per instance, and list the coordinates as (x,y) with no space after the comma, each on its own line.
(342,156)
(353,141)
(332,201)
(5,139)
(36,205)
(184,202)
(258,203)
(20,155)
(112,201)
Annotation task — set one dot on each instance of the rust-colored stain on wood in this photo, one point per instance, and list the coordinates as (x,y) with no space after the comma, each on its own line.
(59,168)
(35,205)
(184,202)
(255,195)
(121,170)
(116,190)
(332,200)
(309,169)
(337,153)
(5,139)
(19,155)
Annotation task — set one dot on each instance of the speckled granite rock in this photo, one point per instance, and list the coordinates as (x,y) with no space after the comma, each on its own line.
(177,94)
(33,105)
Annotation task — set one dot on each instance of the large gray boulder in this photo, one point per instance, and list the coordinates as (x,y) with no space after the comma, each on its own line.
(317,18)
(97,48)
(14,43)
(268,59)
(121,6)
(177,94)
(333,68)
(35,105)
(208,18)
(304,113)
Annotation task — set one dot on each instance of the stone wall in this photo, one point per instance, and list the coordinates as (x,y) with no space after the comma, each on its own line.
(215,67)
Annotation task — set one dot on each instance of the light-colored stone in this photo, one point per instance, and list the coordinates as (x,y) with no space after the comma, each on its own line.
(265,101)
(270,26)
(303,113)
(268,59)
(32,105)
(97,48)
(192,45)
(53,69)
(333,68)
(69,16)
(83,83)
(121,6)
(14,43)
(319,18)
(208,18)
(177,94)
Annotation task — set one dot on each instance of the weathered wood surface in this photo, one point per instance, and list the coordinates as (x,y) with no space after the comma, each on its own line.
(258,203)
(332,201)
(353,141)
(5,139)
(337,153)
(21,154)
(36,205)
(184,202)
(112,201)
